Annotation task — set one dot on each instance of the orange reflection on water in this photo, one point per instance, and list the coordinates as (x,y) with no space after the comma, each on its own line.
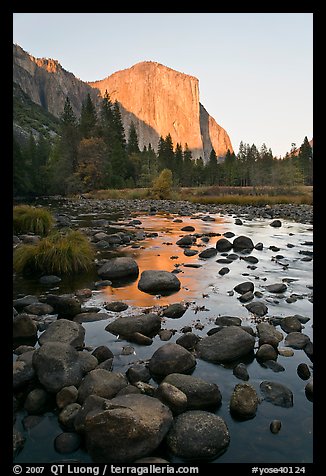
(155,254)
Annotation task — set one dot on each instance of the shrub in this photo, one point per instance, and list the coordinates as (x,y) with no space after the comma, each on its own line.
(28,219)
(162,185)
(55,254)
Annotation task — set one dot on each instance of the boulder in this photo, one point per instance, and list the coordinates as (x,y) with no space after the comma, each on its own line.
(24,327)
(268,334)
(172,397)
(291,324)
(240,371)
(138,372)
(50,279)
(20,303)
(66,396)
(67,442)
(146,324)
(66,306)
(102,353)
(229,344)
(90,317)
(188,228)
(116,306)
(228,321)
(257,308)
(102,383)
(93,404)
(277,394)
(23,370)
(186,240)
(244,288)
(303,371)
(154,281)
(297,340)
(133,425)
(208,253)
(174,311)
(266,352)
(121,267)
(276,288)
(171,358)
(309,390)
(36,401)
(242,243)
(244,402)
(64,331)
(275,426)
(276,223)
(223,245)
(188,340)
(198,434)
(68,415)
(39,309)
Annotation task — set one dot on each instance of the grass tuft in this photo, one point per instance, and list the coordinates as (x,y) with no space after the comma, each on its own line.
(28,219)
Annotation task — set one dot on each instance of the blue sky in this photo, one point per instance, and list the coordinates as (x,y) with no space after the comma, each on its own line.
(255,70)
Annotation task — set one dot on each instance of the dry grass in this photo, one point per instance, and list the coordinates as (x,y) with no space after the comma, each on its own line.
(28,219)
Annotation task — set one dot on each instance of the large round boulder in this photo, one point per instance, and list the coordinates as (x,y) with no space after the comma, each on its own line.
(133,425)
(229,344)
(171,358)
(155,281)
(64,331)
(268,334)
(24,328)
(223,245)
(146,324)
(198,434)
(102,383)
(121,267)
(242,243)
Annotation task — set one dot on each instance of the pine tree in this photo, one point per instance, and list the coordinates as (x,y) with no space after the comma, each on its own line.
(88,118)
(212,169)
(305,161)
(118,125)
(132,147)
(69,135)
(178,164)
(188,167)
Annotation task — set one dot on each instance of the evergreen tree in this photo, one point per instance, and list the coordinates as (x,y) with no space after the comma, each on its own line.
(118,125)
(21,173)
(178,164)
(212,169)
(69,135)
(188,167)
(132,147)
(305,161)
(165,153)
(88,118)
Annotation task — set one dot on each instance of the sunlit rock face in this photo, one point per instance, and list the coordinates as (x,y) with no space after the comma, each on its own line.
(157,99)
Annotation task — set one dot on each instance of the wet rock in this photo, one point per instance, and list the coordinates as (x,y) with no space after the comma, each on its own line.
(64,331)
(228,234)
(23,370)
(171,358)
(23,348)
(59,365)
(24,327)
(257,308)
(200,394)
(250,259)
(224,261)
(198,434)
(238,221)
(240,371)
(309,390)
(303,371)
(94,404)
(188,340)
(229,344)
(244,288)
(68,415)
(223,245)
(259,246)
(297,340)
(140,339)
(138,372)
(275,366)
(165,334)
(36,401)
(291,324)
(39,309)
(275,426)
(146,324)
(242,243)
(188,228)
(134,426)
(20,303)
(285,352)
(102,383)
(309,350)
(266,352)
(90,317)
(121,267)
(277,394)
(102,353)
(276,288)
(246,297)
(190,252)
(50,280)
(153,281)
(228,321)
(103,284)
(66,396)
(172,397)
(276,223)
(67,442)
(186,240)
(65,305)
(224,271)
(129,390)
(208,253)
(174,311)
(268,334)
(244,402)
(106,365)
(116,306)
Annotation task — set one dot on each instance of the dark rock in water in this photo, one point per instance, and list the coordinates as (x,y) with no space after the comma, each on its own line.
(102,284)
(153,281)
(275,426)
(165,334)
(90,317)
(238,221)
(192,265)
(140,339)
(66,396)
(274,248)
(259,246)
(208,218)
(268,334)
(186,240)
(30,421)
(250,259)
(190,252)
(198,434)
(309,350)
(106,365)
(303,371)
(245,287)
(229,344)
(24,327)
(18,441)
(276,223)
(20,303)
(146,324)
(233,256)
(242,243)
(23,348)
(266,352)
(291,324)
(116,306)
(64,331)
(121,267)
(302,319)
(102,353)
(275,366)
(246,297)
(68,415)
(174,311)
(94,404)
(63,221)
(257,308)
(67,442)
(102,383)
(188,340)
(224,261)
(39,309)
(50,279)
(309,391)
(244,402)
(129,390)
(85,293)
(23,370)
(172,397)
(138,372)
(224,271)
(240,371)
(133,425)
(208,253)
(276,288)
(200,394)
(177,220)
(297,340)
(36,401)
(223,245)
(65,305)
(205,239)
(277,394)
(188,228)
(67,365)
(228,234)
(171,358)
(228,321)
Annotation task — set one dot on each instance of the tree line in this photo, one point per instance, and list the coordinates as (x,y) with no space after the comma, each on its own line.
(94,153)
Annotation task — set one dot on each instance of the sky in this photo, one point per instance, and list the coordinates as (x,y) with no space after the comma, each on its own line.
(255,70)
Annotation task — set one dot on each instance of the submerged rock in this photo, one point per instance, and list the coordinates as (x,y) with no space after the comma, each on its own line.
(277,394)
